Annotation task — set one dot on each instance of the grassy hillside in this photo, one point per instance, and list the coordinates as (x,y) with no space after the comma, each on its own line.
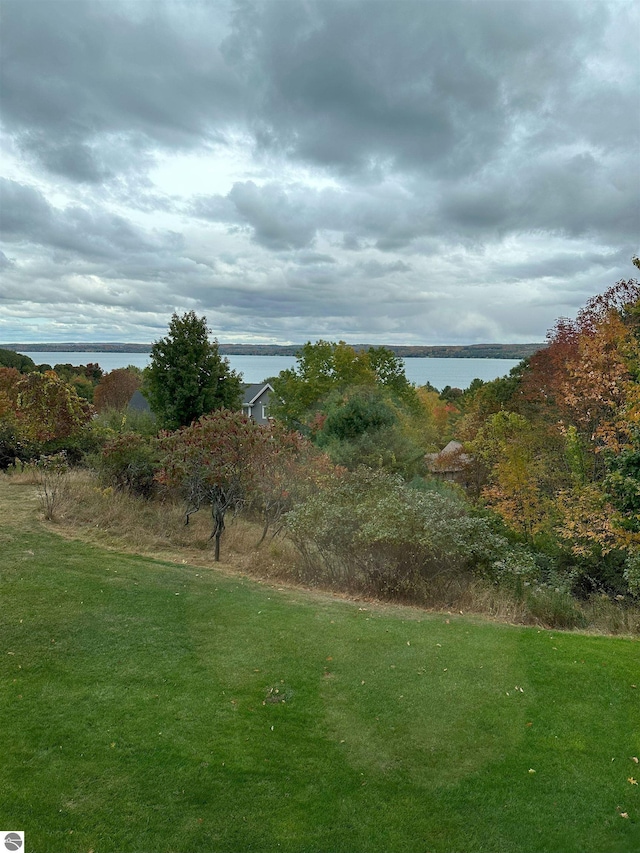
(154,706)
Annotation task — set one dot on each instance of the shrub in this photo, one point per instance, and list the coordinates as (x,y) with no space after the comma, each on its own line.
(555,609)
(130,420)
(632,573)
(10,447)
(369,531)
(128,462)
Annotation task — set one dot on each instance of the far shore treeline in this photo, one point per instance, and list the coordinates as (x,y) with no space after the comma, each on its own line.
(518,351)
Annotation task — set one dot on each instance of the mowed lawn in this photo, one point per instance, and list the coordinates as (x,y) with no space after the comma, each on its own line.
(149,706)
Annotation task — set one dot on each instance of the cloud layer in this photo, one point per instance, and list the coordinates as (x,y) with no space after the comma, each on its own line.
(401,172)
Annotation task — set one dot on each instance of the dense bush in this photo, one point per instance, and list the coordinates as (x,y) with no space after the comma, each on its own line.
(128,462)
(368,530)
(385,448)
(632,573)
(9,358)
(10,447)
(555,608)
(131,420)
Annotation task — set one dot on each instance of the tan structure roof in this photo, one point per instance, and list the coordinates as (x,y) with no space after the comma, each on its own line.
(450,460)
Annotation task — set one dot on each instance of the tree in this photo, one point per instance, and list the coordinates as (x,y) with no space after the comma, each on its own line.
(49,409)
(365,426)
(208,463)
(358,405)
(9,440)
(116,389)
(560,441)
(526,469)
(9,358)
(227,461)
(326,368)
(36,411)
(187,377)
(351,415)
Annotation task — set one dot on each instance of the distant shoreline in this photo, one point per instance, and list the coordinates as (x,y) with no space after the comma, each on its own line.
(518,351)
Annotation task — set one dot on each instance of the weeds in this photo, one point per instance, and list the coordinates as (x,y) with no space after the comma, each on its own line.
(52,478)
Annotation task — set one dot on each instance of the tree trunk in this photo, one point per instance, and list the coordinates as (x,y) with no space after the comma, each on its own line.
(218,509)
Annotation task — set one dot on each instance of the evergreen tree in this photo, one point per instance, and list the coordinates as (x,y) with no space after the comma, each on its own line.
(187,377)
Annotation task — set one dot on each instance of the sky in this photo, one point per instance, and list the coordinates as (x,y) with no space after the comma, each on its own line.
(374,171)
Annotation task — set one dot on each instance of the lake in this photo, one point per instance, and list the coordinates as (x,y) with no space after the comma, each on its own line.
(457,372)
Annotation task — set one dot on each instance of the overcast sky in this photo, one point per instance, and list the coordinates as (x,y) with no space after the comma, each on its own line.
(374,171)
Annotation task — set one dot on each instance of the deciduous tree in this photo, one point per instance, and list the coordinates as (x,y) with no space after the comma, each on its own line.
(47,408)
(226,461)
(327,368)
(116,389)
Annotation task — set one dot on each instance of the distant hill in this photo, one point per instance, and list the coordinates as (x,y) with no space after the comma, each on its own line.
(78,347)
(471,351)
(518,351)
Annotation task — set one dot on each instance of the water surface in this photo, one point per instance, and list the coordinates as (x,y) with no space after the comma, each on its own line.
(457,372)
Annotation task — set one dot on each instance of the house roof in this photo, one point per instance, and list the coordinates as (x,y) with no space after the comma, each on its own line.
(253,392)
(451,458)
(139,402)
(452,447)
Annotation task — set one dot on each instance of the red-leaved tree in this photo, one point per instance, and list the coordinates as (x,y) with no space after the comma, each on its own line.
(116,389)
(226,461)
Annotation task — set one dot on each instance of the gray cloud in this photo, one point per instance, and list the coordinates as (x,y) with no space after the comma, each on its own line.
(438,86)
(563,266)
(5,261)
(79,76)
(291,216)
(400,170)
(27,217)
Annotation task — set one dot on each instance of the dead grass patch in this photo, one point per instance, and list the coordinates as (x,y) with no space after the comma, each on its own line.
(156,528)
(26,475)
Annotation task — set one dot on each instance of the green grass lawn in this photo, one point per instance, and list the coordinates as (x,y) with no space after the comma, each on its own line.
(148,706)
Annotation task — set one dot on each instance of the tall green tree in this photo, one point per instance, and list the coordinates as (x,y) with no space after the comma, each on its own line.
(326,368)
(187,376)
